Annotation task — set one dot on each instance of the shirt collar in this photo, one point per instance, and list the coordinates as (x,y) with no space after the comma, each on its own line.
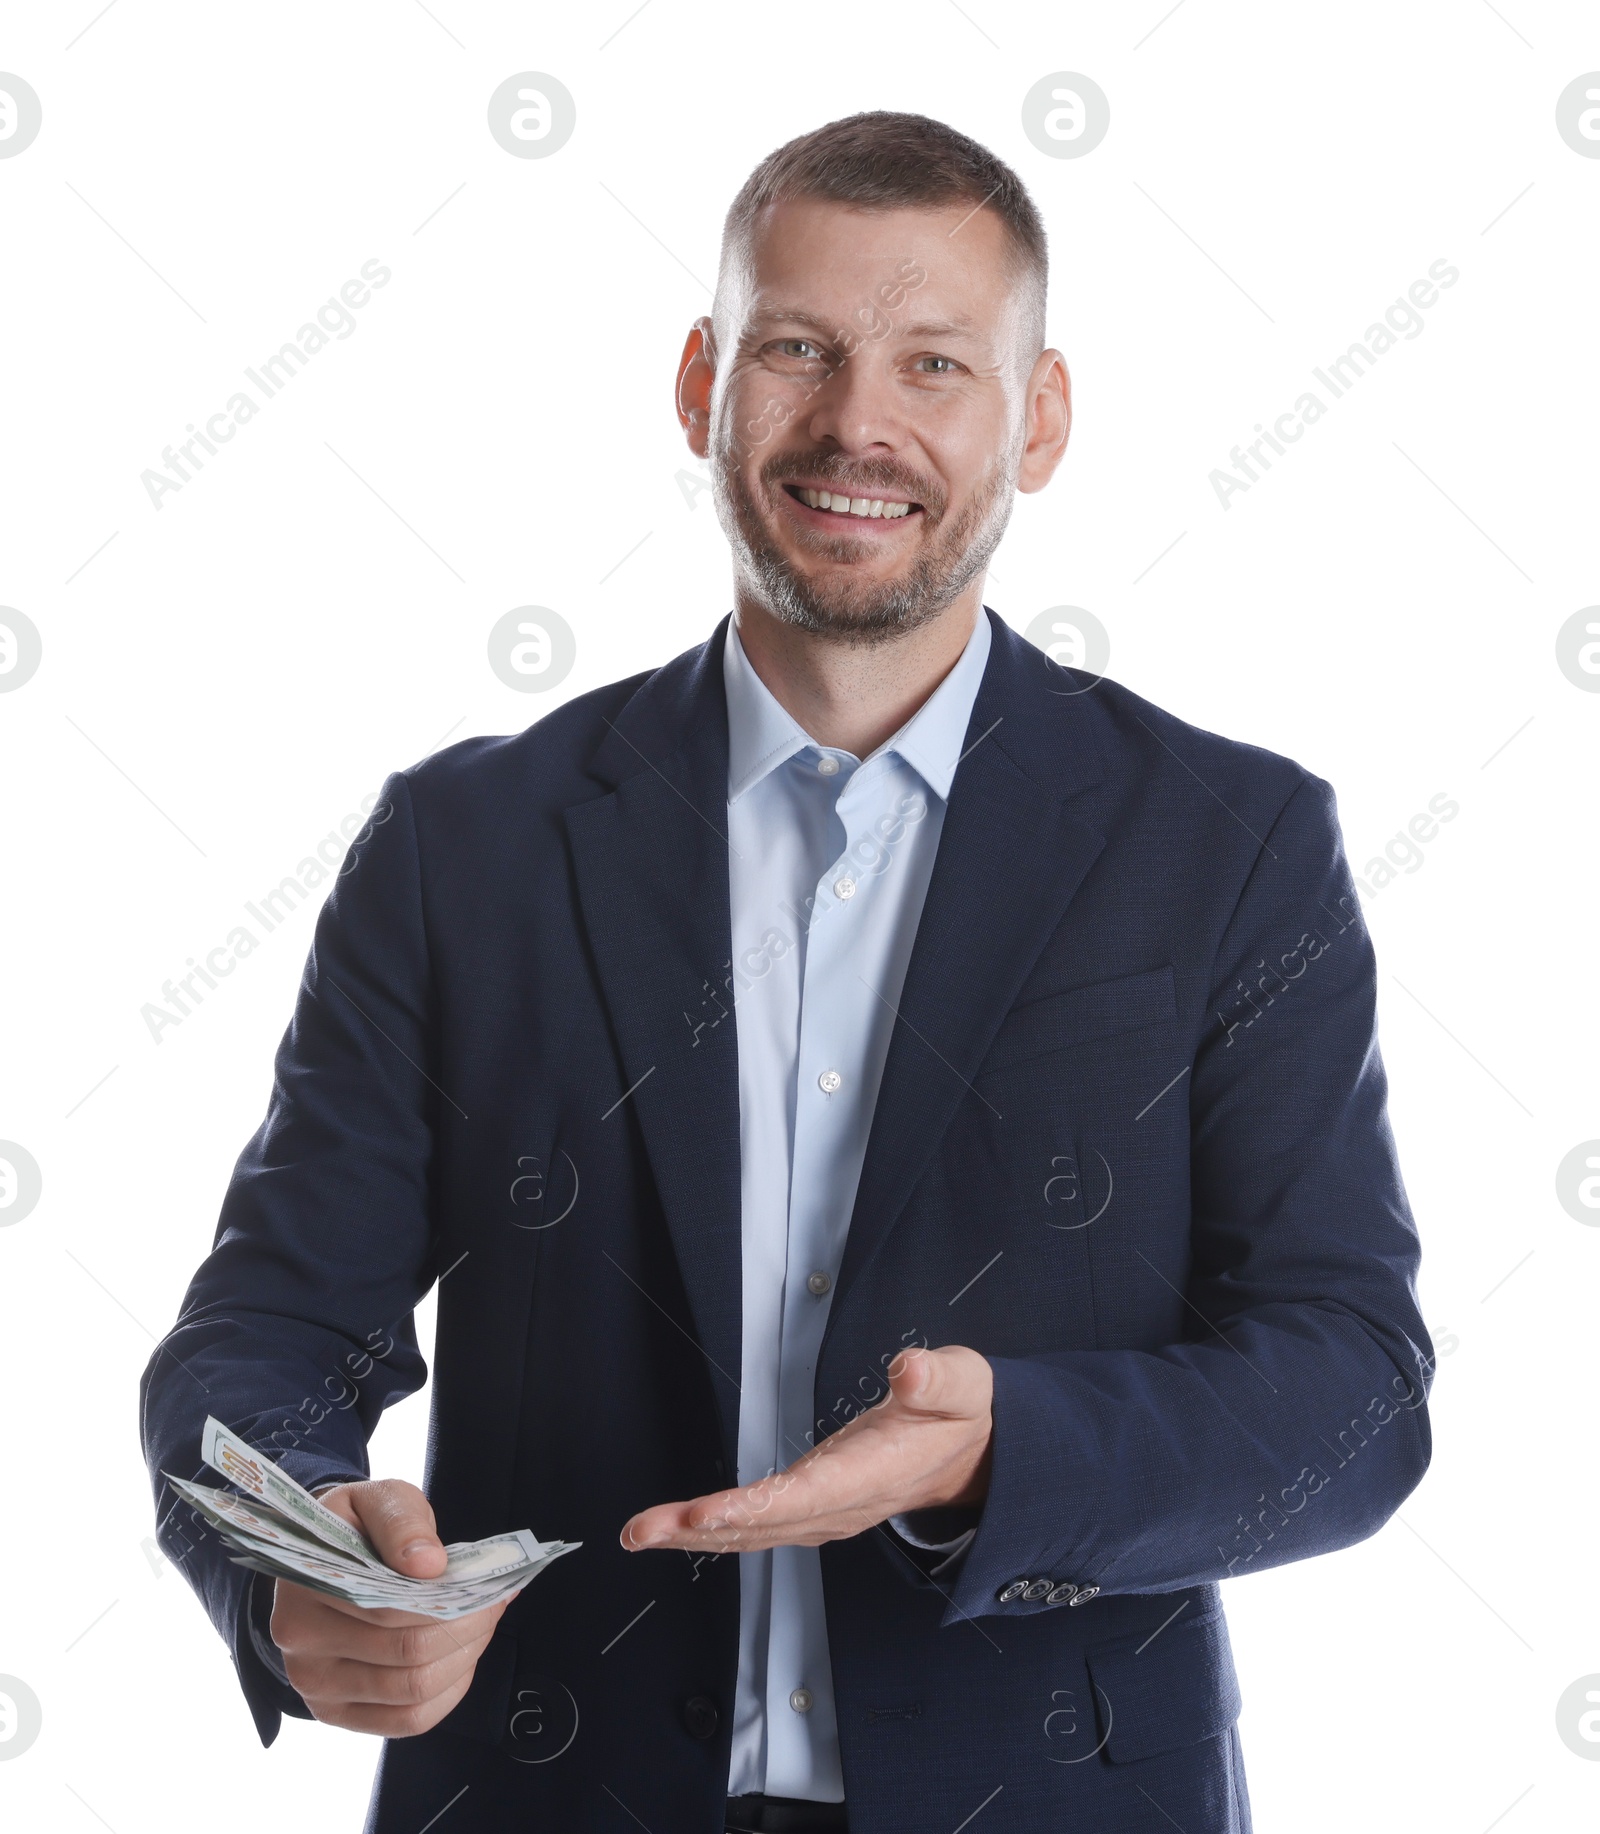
(761,735)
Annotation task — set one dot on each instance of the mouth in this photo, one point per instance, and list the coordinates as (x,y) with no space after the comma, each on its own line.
(821,507)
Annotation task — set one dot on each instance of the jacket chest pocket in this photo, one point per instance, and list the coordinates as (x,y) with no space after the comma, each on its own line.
(1079,1015)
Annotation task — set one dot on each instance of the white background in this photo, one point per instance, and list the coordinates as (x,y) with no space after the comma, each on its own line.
(226,677)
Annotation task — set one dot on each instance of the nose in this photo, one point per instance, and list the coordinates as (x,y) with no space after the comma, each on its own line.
(856,409)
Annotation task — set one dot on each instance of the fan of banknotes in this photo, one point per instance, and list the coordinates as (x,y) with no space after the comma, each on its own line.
(281,1529)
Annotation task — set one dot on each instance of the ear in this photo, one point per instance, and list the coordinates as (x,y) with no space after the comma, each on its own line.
(1048,410)
(696,372)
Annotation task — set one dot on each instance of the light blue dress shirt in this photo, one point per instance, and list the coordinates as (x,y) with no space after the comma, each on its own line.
(829,860)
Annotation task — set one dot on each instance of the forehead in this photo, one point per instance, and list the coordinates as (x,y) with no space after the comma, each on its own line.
(949,263)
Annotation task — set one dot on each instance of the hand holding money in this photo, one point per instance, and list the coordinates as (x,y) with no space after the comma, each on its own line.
(380,1623)
(390,1672)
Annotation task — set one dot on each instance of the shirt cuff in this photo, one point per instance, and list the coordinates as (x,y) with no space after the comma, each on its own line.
(258,1615)
(944,1531)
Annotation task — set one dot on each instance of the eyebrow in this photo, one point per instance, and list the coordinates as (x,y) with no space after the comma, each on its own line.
(797,315)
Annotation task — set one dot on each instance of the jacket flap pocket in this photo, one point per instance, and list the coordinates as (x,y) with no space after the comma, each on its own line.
(1159,1694)
(1081,1013)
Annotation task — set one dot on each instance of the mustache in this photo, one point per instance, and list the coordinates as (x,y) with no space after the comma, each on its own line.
(860,477)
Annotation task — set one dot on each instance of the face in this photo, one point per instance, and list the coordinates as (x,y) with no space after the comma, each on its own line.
(869,406)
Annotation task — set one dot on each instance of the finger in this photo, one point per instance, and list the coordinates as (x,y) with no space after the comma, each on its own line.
(658,1527)
(798,1529)
(379,1683)
(953,1383)
(708,1521)
(855,1478)
(780,1508)
(845,1484)
(914,1375)
(307,1598)
(318,1633)
(398,1520)
(388,1722)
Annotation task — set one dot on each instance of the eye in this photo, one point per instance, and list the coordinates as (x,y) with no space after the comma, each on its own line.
(801,349)
(949,365)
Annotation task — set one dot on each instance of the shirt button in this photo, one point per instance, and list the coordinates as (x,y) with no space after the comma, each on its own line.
(827,767)
(800,1700)
(829,1081)
(818,1283)
(845,887)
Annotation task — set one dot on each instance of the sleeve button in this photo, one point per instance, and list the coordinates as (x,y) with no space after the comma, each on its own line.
(1014,1590)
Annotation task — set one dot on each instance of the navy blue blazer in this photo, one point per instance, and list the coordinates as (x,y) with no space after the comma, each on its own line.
(1135,1086)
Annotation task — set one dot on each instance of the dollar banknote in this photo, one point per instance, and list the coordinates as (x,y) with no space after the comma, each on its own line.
(279,1528)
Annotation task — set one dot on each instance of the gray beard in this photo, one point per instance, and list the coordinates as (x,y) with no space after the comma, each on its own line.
(950,558)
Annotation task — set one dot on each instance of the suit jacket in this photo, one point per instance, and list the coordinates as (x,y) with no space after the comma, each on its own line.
(1131,1144)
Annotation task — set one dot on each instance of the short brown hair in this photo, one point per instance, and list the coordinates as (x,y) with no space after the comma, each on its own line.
(880,160)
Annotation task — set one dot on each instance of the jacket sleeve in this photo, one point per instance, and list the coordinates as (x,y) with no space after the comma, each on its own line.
(297,1329)
(1290,1420)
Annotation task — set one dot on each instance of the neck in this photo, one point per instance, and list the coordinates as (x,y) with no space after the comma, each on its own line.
(853,695)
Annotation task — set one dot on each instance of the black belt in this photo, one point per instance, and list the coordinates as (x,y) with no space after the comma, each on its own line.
(759,1814)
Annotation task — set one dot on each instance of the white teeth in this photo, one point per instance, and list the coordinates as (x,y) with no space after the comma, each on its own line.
(854,506)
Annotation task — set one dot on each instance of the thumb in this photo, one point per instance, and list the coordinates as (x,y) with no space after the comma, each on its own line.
(398,1520)
(952,1381)
(915,1377)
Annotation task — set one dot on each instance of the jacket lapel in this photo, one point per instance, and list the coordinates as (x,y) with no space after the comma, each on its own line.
(1011,855)
(651,861)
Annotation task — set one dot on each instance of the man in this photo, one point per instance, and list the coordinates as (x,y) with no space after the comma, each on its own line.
(898,1127)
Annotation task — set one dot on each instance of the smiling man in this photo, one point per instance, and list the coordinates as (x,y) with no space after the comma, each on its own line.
(902,1123)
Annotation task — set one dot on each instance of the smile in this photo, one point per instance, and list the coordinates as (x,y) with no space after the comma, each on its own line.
(887,508)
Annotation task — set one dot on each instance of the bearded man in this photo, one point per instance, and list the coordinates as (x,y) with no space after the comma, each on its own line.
(898,1127)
